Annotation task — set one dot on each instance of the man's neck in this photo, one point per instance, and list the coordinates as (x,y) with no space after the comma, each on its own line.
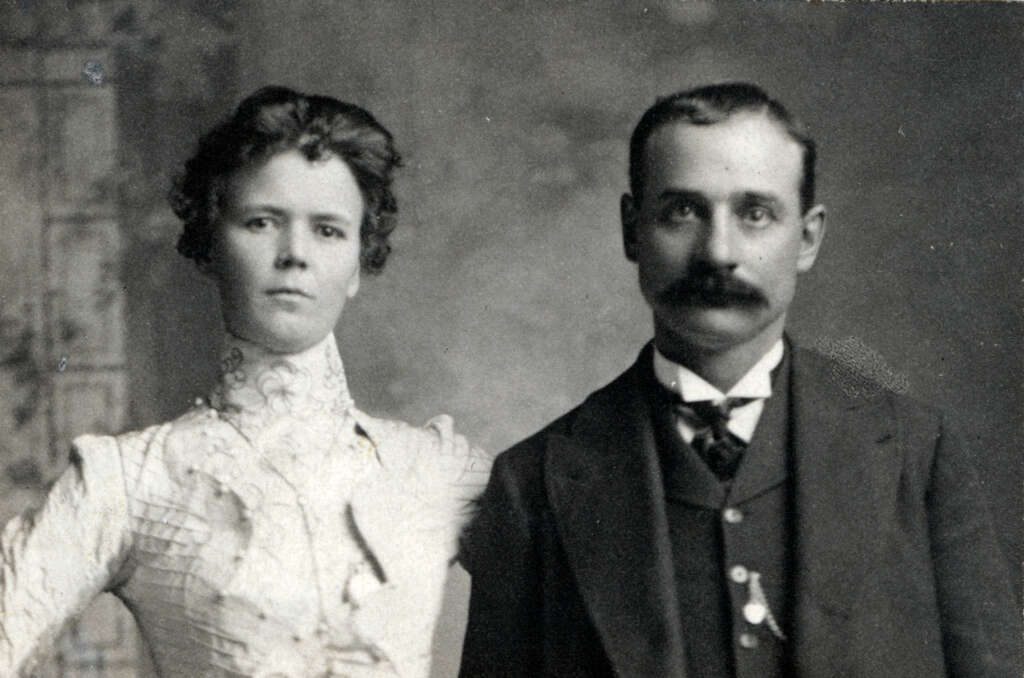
(722,367)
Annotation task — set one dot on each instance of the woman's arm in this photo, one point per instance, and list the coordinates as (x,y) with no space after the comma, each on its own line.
(55,560)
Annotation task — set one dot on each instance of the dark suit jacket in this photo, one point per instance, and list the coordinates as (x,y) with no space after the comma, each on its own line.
(897,571)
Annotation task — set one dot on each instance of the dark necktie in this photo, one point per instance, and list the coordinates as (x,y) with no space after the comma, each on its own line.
(720,449)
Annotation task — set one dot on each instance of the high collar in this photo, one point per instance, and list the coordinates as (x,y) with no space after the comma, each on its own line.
(691,387)
(258,387)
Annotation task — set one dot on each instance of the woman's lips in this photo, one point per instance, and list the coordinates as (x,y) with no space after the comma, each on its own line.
(289,292)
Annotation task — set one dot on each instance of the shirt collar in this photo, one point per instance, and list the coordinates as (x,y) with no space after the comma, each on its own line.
(691,387)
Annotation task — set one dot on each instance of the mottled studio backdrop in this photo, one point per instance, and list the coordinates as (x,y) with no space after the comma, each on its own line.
(508,299)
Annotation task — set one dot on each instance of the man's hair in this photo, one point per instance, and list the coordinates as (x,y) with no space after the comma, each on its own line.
(277,119)
(714,103)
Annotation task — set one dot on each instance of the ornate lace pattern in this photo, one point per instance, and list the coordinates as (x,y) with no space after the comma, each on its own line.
(249,544)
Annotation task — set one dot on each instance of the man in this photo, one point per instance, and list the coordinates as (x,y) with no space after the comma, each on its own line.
(733,505)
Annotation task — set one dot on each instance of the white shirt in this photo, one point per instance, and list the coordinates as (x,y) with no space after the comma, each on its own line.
(691,387)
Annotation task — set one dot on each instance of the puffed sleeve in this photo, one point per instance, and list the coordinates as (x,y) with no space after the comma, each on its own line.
(410,516)
(55,560)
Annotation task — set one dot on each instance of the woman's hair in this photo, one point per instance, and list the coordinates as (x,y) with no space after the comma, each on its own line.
(277,119)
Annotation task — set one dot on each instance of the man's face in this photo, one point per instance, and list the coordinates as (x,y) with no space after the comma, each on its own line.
(718,235)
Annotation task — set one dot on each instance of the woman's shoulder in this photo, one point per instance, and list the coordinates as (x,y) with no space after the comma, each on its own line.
(436,437)
(435,433)
(168,448)
(434,450)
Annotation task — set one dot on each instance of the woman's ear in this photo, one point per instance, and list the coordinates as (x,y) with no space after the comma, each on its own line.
(207,267)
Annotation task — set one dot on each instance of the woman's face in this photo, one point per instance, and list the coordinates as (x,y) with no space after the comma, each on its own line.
(285,253)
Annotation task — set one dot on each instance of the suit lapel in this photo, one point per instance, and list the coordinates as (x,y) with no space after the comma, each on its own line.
(845,474)
(765,465)
(606,492)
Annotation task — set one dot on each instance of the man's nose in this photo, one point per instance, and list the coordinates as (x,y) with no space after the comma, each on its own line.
(292,247)
(716,240)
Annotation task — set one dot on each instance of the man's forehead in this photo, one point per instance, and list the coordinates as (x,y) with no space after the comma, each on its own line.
(746,146)
(748,128)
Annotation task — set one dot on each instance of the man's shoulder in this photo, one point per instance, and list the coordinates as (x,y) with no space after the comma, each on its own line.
(850,372)
(599,405)
(529,452)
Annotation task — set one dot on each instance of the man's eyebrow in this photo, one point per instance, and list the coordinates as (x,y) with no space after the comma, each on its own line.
(259,207)
(756,197)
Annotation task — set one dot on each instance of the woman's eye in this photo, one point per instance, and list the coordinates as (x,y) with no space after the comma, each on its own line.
(330,231)
(258,223)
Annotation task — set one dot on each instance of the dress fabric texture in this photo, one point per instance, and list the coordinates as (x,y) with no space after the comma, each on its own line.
(272,531)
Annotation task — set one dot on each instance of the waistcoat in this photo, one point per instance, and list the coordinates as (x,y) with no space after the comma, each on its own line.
(724,535)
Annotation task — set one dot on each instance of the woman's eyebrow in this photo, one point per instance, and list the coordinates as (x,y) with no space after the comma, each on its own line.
(332,216)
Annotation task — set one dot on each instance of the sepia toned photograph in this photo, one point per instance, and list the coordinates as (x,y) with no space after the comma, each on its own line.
(372,338)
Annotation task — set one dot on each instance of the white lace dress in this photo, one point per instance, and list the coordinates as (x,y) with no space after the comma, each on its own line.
(273,531)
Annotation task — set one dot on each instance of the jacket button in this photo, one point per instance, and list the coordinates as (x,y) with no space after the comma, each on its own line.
(739,574)
(732,515)
(748,641)
(754,613)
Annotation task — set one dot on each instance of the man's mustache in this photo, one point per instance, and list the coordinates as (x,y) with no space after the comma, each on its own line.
(711,287)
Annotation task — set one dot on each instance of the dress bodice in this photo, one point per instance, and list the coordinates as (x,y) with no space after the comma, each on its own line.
(275,530)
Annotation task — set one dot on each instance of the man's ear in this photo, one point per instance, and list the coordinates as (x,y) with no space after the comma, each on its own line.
(811,235)
(628,212)
(353,285)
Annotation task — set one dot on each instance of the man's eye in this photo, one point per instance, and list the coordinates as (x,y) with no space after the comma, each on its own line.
(679,213)
(758,216)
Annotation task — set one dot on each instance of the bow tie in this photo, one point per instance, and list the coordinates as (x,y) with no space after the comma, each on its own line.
(707,414)
(721,450)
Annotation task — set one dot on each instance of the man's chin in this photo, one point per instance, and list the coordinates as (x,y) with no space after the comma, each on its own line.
(715,328)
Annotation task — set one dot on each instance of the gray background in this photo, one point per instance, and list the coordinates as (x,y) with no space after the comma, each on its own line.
(508,299)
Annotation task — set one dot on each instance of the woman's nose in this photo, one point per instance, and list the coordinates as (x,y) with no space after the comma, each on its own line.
(291,251)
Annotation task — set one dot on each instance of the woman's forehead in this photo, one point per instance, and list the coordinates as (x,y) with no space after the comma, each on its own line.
(290,180)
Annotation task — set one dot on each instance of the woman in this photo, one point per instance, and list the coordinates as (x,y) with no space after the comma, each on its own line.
(273,530)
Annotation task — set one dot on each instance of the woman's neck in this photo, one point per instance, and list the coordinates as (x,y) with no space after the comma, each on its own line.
(258,387)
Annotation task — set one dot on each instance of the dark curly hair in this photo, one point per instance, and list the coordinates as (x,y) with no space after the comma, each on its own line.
(276,119)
